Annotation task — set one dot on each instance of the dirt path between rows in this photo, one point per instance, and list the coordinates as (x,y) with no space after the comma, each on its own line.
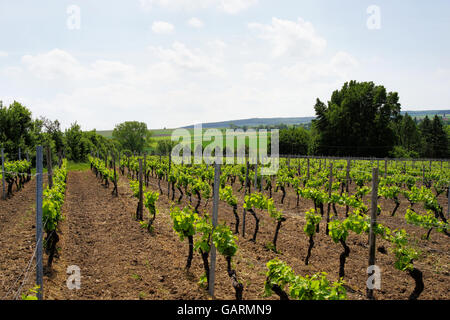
(117,258)
(17,241)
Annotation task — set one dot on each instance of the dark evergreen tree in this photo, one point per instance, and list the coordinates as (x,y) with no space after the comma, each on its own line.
(357,121)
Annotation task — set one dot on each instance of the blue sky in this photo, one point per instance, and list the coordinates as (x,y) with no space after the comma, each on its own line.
(171,63)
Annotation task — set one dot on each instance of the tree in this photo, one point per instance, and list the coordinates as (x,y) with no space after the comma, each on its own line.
(53,130)
(357,121)
(132,135)
(165,146)
(74,141)
(294,141)
(439,138)
(408,138)
(16,128)
(426,131)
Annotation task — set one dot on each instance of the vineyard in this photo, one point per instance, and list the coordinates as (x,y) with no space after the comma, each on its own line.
(143,228)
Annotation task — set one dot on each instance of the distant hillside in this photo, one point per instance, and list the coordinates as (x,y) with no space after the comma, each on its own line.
(254,122)
(429,113)
(105,133)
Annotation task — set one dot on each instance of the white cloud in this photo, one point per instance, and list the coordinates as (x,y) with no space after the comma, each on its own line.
(337,69)
(193,60)
(162,27)
(443,72)
(236,6)
(53,65)
(255,71)
(343,60)
(227,6)
(192,84)
(195,23)
(298,39)
(3,54)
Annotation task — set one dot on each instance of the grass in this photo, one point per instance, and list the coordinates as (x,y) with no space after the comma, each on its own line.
(77,166)
(136,276)
(71,166)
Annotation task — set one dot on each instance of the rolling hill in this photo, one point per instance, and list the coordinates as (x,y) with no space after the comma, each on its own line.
(254,122)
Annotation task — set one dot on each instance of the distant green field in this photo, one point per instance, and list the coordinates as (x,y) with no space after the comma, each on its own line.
(105,133)
(165,134)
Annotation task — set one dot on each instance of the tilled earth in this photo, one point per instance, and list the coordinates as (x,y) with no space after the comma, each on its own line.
(118,259)
(17,241)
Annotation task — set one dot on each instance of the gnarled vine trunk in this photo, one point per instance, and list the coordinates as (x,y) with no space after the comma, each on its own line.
(277,230)
(236,216)
(191,252)
(311,245)
(238,287)
(256,224)
(416,274)
(342,258)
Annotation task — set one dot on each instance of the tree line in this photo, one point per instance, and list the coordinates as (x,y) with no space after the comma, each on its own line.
(363,120)
(18,129)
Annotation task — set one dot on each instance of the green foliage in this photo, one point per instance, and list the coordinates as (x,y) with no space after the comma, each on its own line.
(357,118)
(165,146)
(203,227)
(132,135)
(404,253)
(184,221)
(198,185)
(150,198)
(32,293)
(16,128)
(318,196)
(312,220)
(53,199)
(260,201)
(226,194)
(225,241)
(15,169)
(77,146)
(315,287)
(279,274)
(107,174)
(434,138)
(337,231)
(294,140)
(427,221)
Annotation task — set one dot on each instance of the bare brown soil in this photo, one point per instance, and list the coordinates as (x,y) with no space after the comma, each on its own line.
(17,242)
(120,260)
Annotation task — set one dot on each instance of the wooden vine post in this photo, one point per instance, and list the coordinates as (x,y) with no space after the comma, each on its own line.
(373,222)
(256,175)
(423,174)
(245,193)
(348,176)
(145,169)
(115,190)
(3,175)
(168,174)
(49,167)
(212,270)
(39,226)
(307,174)
(330,181)
(448,202)
(119,160)
(140,208)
